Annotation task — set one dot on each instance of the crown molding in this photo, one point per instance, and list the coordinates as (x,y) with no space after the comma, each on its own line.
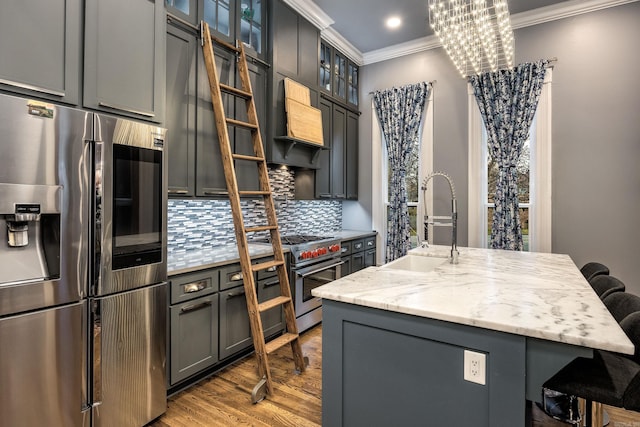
(336,40)
(311,12)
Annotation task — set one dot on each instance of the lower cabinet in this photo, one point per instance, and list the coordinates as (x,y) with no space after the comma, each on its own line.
(357,254)
(209,317)
(194,337)
(235,329)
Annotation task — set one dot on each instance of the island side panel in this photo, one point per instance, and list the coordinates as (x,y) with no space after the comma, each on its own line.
(386,368)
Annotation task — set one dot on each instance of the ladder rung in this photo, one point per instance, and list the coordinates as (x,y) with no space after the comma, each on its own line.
(250,158)
(254,193)
(266,265)
(274,302)
(235,91)
(281,341)
(238,123)
(260,228)
(225,44)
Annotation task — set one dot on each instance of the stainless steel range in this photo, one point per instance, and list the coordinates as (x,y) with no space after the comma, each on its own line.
(315,261)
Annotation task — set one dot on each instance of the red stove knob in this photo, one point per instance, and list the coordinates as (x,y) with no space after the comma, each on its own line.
(315,253)
(324,251)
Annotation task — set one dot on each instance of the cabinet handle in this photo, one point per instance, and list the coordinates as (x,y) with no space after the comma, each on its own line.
(357,246)
(270,284)
(370,243)
(194,287)
(340,196)
(324,196)
(194,307)
(177,191)
(271,269)
(126,110)
(236,277)
(344,249)
(235,294)
(216,193)
(31,87)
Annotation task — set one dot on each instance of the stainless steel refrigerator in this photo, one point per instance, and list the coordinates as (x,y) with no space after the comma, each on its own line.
(82,268)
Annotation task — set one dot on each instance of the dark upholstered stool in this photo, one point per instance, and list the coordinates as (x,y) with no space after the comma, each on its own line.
(592,269)
(609,378)
(605,285)
(621,304)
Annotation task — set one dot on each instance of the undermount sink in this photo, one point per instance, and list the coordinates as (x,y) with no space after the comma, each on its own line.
(423,264)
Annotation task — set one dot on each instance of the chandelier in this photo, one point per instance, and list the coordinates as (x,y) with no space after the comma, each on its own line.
(476,34)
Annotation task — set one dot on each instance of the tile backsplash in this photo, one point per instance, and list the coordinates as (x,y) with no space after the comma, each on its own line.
(201,224)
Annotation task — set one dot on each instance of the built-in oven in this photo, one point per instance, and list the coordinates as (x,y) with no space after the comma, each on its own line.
(304,280)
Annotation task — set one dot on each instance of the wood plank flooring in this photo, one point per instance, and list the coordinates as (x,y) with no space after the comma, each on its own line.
(225,398)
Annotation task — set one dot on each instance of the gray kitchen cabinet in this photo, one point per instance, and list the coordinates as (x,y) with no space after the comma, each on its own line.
(210,179)
(235,328)
(351,156)
(194,337)
(338,76)
(124,58)
(41,59)
(180,121)
(357,254)
(272,320)
(337,173)
(193,310)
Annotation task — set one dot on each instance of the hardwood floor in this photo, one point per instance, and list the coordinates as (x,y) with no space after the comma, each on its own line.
(225,398)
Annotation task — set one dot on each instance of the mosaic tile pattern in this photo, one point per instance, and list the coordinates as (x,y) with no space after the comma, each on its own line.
(201,224)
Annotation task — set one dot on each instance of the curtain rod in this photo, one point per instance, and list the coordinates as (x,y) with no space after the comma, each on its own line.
(432,82)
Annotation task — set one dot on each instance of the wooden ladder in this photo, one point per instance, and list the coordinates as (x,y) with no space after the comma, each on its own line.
(291,336)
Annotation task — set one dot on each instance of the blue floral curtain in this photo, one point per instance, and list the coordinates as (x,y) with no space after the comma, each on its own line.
(508,100)
(399,112)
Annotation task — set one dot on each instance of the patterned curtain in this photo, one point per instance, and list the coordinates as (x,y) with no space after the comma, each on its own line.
(508,100)
(399,112)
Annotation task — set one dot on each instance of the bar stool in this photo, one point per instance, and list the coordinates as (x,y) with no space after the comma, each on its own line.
(605,285)
(609,378)
(622,304)
(592,269)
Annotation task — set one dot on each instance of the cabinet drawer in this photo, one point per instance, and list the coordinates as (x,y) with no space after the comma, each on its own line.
(193,285)
(230,276)
(235,329)
(357,246)
(370,242)
(346,247)
(265,274)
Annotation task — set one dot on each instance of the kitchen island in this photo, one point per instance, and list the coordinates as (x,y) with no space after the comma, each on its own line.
(395,336)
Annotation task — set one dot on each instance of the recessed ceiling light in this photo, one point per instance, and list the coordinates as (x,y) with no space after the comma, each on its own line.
(393,22)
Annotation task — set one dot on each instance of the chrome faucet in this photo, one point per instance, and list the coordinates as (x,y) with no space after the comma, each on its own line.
(453,218)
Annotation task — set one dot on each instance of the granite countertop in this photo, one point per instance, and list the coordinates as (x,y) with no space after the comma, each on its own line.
(531,294)
(194,260)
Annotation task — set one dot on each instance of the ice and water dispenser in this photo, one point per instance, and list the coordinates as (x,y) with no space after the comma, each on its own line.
(30,224)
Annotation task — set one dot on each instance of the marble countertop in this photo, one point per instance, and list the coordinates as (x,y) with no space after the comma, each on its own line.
(352,234)
(194,260)
(531,294)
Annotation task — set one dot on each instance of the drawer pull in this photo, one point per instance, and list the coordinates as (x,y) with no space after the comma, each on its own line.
(236,277)
(235,294)
(370,243)
(270,284)
(357,246)
(344,249)
(194,287)
(194,307)
(271,269)
(177,192)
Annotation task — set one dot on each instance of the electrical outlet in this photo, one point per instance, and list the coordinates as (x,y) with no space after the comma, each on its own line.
(475,367)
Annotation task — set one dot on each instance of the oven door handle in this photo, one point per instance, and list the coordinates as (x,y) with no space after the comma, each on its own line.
(318,271)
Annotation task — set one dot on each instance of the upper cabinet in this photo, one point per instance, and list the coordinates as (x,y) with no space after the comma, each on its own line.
(41,47)
(195,162)
(124,57)
(338,75)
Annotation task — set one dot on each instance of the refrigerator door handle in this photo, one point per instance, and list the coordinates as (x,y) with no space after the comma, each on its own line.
(96,352)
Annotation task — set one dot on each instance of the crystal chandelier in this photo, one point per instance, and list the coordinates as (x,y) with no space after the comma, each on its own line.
(476,34)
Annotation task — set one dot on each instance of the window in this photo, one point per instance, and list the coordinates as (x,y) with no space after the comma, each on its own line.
(216,13)
(534,178)
(251,24)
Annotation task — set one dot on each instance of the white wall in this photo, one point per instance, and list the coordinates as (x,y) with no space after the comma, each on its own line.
(596,133)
